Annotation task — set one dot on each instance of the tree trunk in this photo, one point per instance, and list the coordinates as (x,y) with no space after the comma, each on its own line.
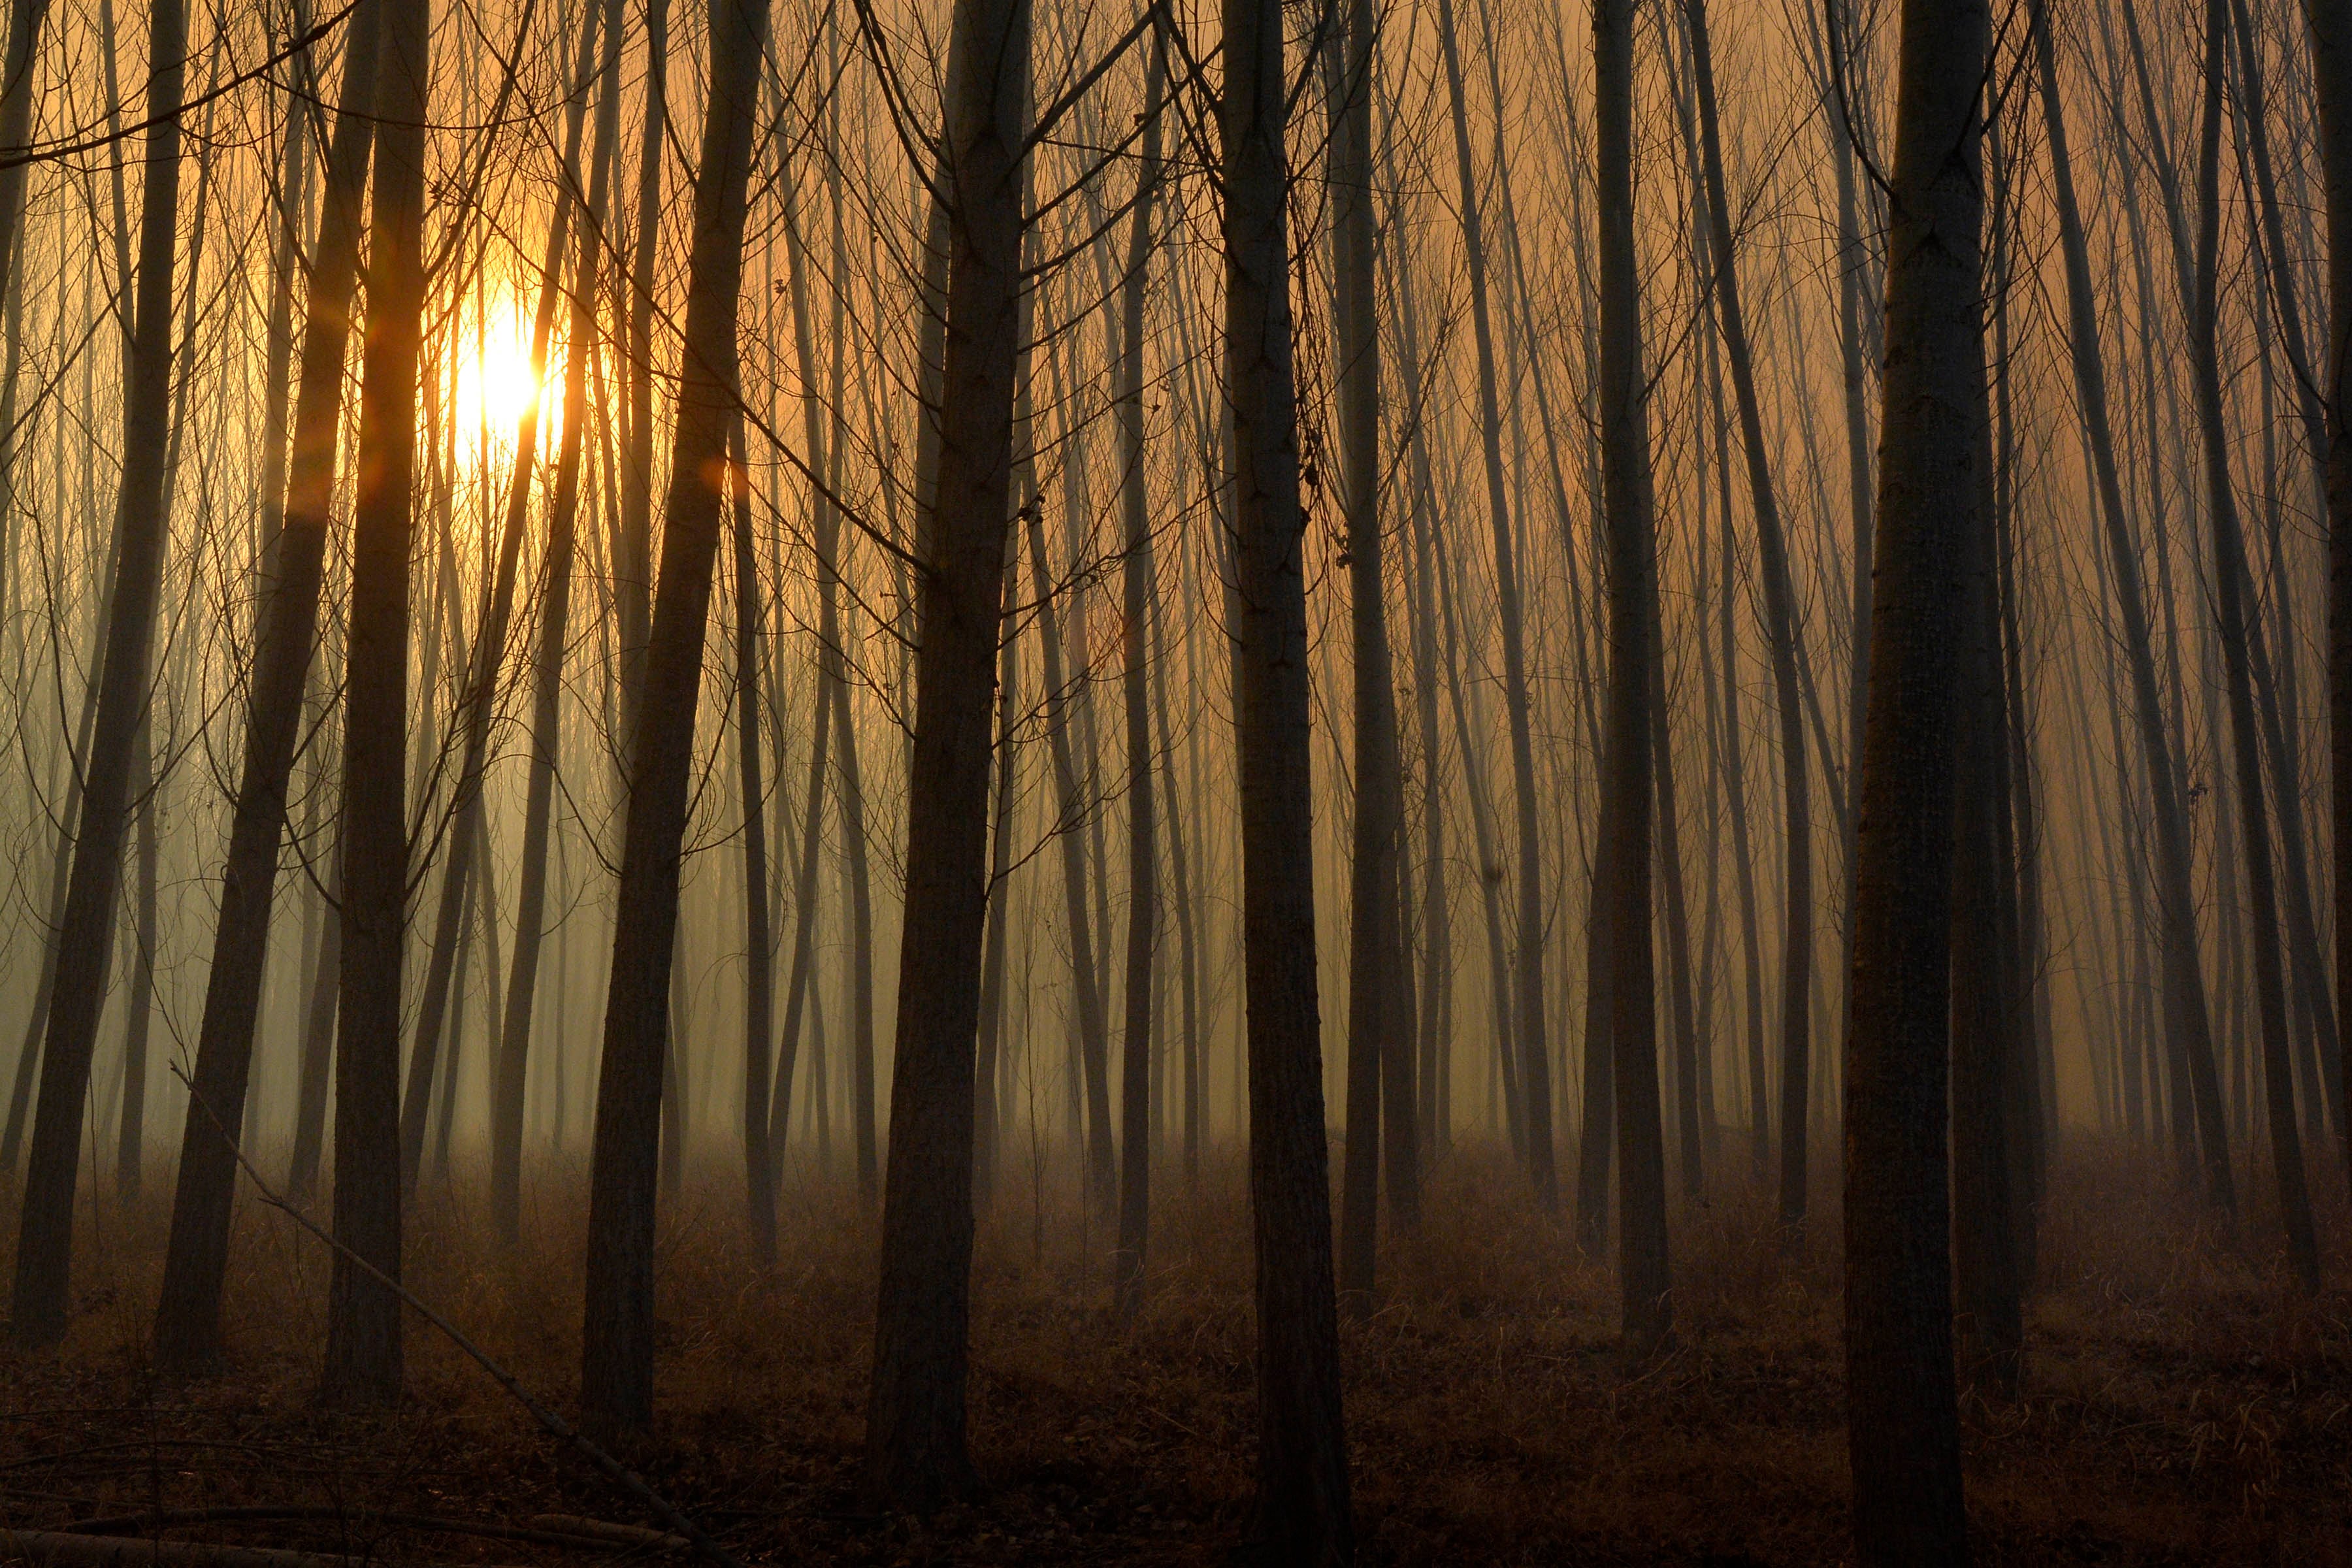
(363,1341)
(478,701)
(915,1452)
(1528,1000)
(1782,638)
(1302,1513)
(1626,775)
(187,1320)
(511,1071)
(1902,1413)
(2231,582)
(85,938)
(2331,70)
(1143,915)
(616,1355)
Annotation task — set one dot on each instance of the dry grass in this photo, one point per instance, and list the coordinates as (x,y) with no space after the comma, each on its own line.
(2182,1404)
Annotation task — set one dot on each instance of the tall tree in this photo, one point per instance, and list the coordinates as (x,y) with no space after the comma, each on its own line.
(1781,636)
(187,1319)
(2331,72)
(85,939)
(2187,1020)
(1302,1511)
(363,1350)
(1143,913)
(2233,582)
(1902,1407)
(915,1452)
(616,1351)
(1626,780)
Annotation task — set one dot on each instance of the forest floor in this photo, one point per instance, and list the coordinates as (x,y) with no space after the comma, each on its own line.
(2182,1404)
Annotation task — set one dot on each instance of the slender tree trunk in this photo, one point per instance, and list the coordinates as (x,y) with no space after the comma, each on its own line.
(84,940)
(363,1340)
(1787,652)
(2231,582)
(130,1132)
(2331,70)
(616,1356)
(187,1320)
(1143,912)
(1534,1056)
(2186,1014)
(1626,776)
(1093,1025)
(1302,1513)
(633,567)
(18,90)
(915,1452)
(1902,1410)
(478,701)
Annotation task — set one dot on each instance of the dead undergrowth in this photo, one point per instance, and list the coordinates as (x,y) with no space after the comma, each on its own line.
(2182,1404)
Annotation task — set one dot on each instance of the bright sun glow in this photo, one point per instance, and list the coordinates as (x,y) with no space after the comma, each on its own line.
(495,383)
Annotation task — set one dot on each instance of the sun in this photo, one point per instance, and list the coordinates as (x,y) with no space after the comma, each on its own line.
(494,383)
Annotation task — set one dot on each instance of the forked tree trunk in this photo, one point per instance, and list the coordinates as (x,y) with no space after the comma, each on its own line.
(364,1348)
(616,1353)
(1902,1409)
(915,1452)
(85,939)
(187,1320)
(1302,1513)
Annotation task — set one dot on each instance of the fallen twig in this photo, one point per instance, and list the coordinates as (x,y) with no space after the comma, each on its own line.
(550,1530)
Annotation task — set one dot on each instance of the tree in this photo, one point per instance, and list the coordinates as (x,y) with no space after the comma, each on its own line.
(1143,915)
(2331,72)
(1902,1407)
(616,1351)
(187,1319)
(1781,635)
(1302,1509)
(85,939)
(364,1348)
(1626,780)
(2231,584)
(915,1454)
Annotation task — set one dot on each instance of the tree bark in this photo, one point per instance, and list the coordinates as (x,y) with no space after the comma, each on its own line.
(363,1338)
(616,1353)
(187,1319)
(1143,913)
(2231,582)
(2331,72)
(1902,1412)
(1626,780)
(512,1069)
(1302,1513)
(915,1452)
(85,938)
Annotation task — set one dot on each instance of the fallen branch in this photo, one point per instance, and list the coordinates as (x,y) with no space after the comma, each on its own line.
(556,1425)
(548,1530)
(62,1549)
